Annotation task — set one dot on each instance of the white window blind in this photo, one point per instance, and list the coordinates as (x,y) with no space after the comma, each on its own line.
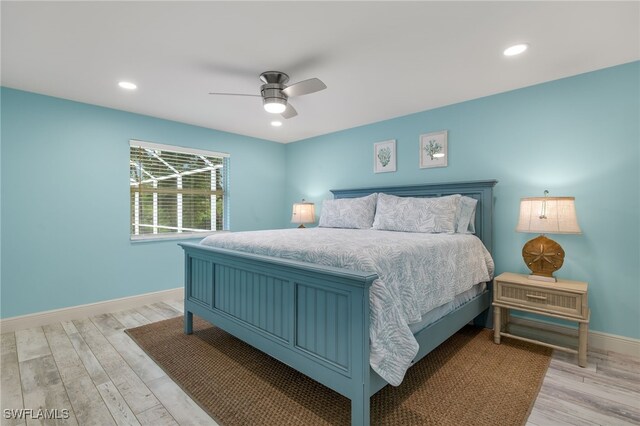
(176,191)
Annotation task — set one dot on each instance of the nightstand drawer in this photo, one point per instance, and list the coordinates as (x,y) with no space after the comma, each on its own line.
(548,300)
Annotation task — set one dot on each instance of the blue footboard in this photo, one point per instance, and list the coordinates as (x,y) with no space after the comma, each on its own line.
(313,318)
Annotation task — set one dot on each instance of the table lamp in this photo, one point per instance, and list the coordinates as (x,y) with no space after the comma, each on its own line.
(546,215)
(303,212)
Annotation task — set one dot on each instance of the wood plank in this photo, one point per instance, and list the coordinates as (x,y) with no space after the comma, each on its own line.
(614,385)
(543,415)
(166,310)
(600,411)
(135,392)
(149,313)
(137,359)
(130,318)
(118,408)
(31,344)
(87,402)
(624,362)
(632,376)
(587,374)
(157,416)
(564,375)
(90,362)
(10,387)
(566,410)
(43,389)
(573,359)
(107,324)
(178,403)
(67,360)
(614,396)
(615,358)
(83,395)
(178,305)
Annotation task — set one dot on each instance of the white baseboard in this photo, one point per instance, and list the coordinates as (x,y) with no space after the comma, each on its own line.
(39,319)
(598,341)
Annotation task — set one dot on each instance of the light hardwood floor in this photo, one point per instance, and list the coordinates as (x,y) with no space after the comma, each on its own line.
(91,368)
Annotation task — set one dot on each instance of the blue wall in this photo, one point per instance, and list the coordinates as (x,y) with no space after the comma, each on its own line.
(65,224)
(577,136)
(65,201)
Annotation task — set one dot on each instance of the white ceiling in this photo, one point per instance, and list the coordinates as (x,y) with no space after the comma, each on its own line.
(379,59)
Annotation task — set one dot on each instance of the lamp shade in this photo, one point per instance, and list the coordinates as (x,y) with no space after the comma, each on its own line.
(303,212)
(548,215)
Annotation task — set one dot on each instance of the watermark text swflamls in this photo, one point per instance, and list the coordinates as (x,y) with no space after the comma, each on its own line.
(37,414)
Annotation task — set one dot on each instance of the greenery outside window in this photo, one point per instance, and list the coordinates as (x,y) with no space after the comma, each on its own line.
(176,192)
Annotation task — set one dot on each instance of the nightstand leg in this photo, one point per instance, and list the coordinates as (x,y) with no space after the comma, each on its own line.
(496,324)
(583,329)
(505,320)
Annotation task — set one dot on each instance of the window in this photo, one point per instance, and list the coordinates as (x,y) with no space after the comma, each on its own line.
(176,192)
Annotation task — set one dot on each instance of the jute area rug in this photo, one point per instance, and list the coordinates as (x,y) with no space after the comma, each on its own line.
(468,380)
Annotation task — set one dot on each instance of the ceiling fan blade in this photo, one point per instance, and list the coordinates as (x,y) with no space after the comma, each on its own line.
(290,112)
(234,94)
(304,87)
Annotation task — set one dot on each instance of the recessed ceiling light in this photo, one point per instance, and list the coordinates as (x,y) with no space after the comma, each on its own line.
(127,85)
(516,49)
(276,123)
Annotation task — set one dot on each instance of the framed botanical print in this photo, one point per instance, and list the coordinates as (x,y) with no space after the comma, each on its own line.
(433,150)
(384,156)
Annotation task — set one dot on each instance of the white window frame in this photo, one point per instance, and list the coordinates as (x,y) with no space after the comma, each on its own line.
(181,233)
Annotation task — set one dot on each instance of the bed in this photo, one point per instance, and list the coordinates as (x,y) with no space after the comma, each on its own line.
(316,318)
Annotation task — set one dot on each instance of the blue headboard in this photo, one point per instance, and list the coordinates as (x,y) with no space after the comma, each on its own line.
(481,190)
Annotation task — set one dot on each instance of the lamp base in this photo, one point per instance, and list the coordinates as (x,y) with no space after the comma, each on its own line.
(543,256)
(301,226)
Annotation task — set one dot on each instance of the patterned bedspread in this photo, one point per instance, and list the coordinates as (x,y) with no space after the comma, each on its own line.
(417,272)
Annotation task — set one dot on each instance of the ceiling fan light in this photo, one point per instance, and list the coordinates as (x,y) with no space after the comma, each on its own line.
(275,105)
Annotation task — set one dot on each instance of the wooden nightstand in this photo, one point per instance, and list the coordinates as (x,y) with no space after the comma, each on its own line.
(563,299)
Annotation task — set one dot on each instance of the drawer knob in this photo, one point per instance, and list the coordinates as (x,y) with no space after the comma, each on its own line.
(534,296)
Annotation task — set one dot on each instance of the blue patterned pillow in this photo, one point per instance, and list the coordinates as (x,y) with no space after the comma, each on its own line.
(355,213)
(466,216)
(408,214)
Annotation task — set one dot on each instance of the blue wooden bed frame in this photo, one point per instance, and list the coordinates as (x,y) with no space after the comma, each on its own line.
(315,318)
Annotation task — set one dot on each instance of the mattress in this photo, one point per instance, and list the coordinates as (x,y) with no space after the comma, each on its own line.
(417,273)
(439,312)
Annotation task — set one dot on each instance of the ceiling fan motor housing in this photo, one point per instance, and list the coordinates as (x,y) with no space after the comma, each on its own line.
(274,77)
(271,91)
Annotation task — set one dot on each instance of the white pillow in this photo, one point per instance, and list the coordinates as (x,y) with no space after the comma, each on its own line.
(408,214)
(355,213)
(466,215)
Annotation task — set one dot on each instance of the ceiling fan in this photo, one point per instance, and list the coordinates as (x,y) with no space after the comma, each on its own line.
(275,92)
